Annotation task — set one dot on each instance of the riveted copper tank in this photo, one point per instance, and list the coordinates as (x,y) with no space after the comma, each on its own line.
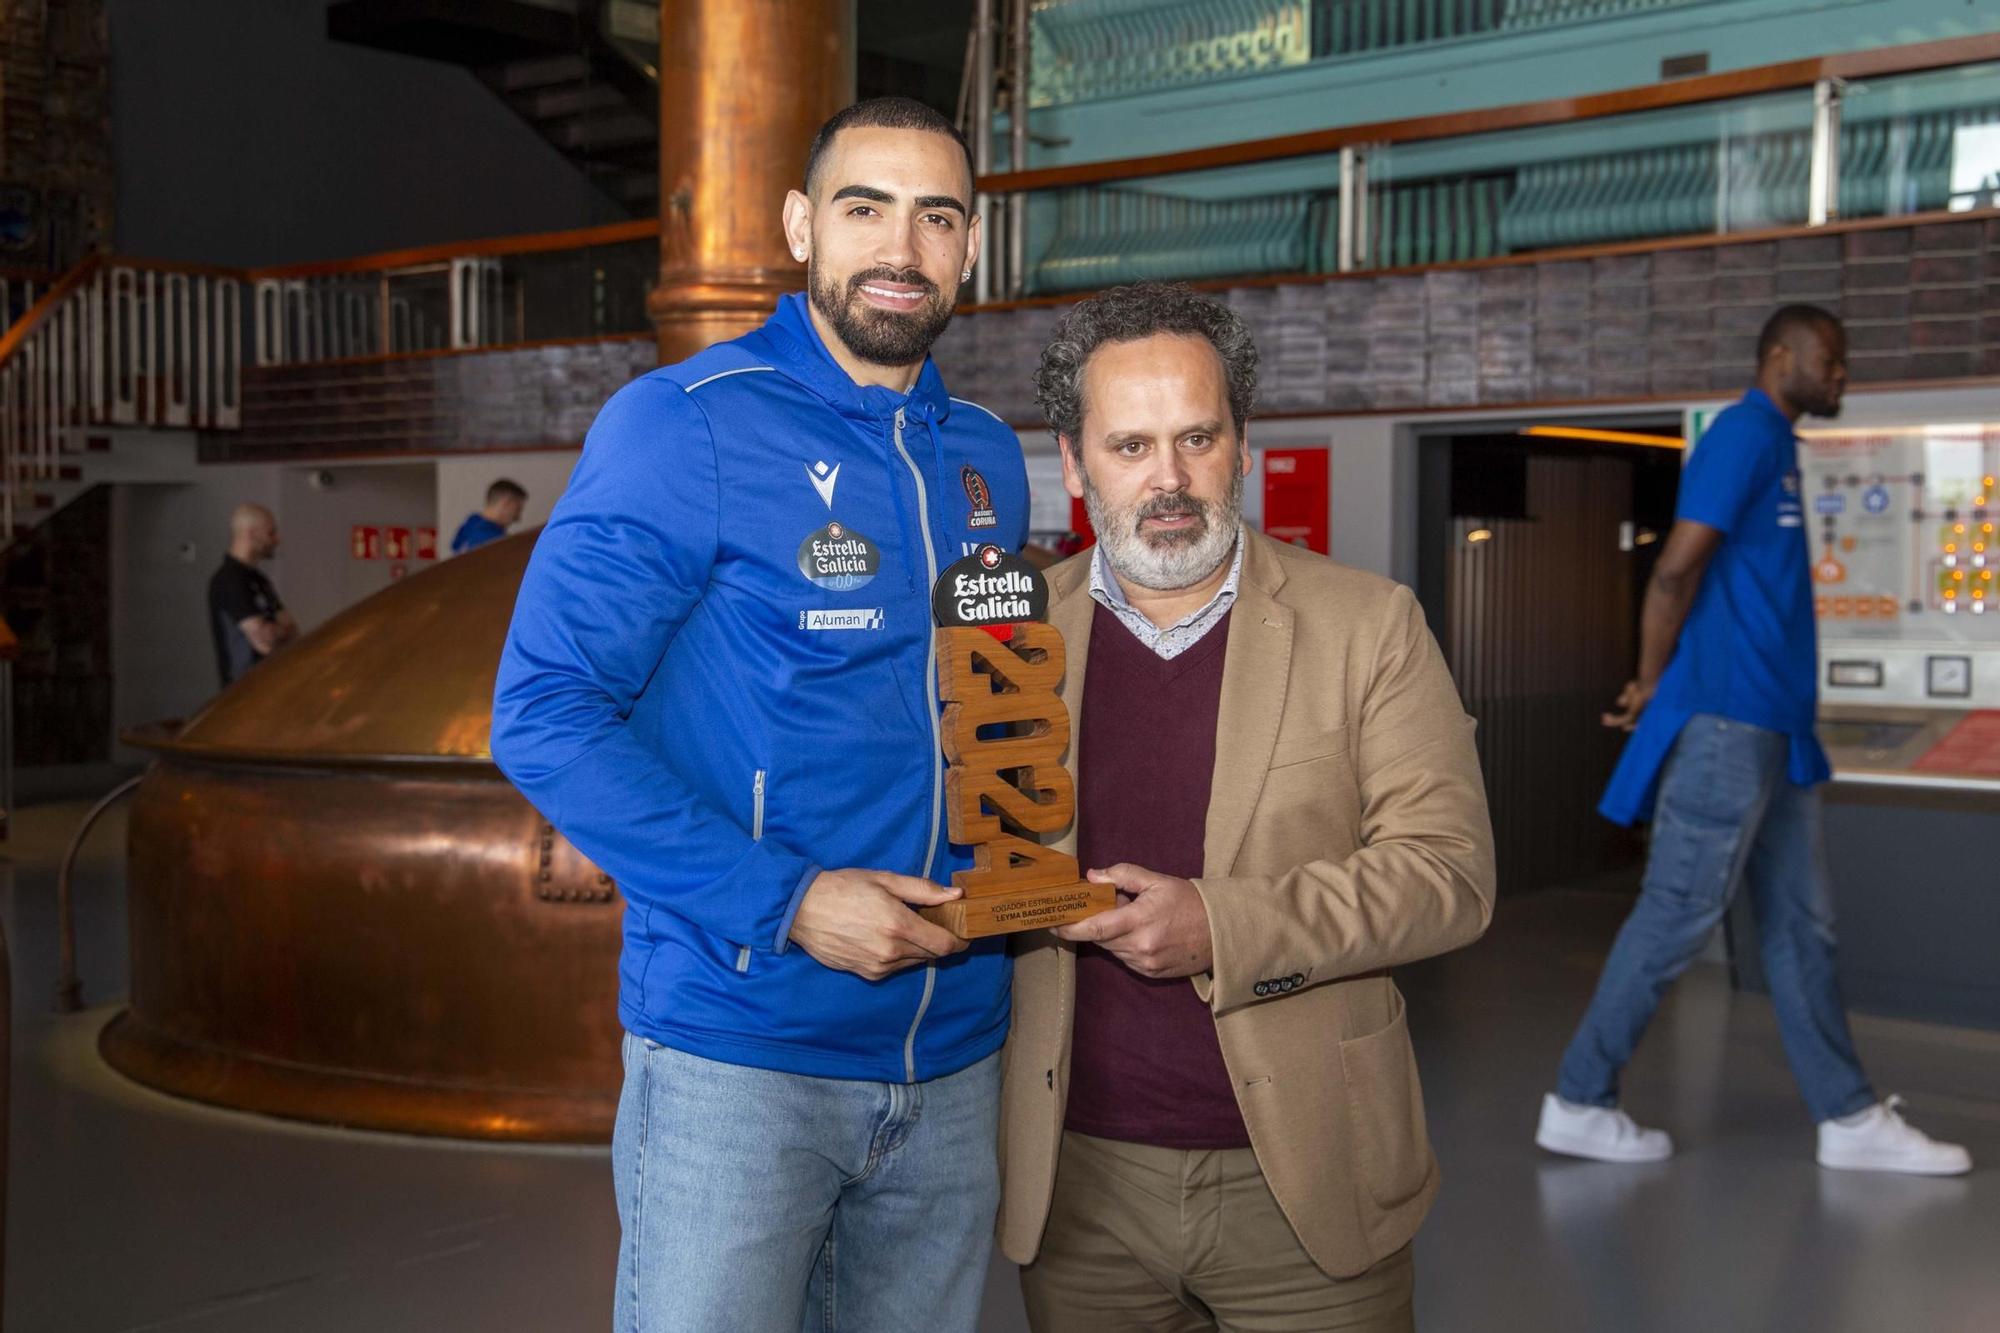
(342,912)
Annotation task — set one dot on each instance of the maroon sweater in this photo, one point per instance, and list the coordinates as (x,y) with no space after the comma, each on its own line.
(1146,1066)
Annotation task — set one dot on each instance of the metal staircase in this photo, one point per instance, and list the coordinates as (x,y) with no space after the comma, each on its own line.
(113,349)
(583,73)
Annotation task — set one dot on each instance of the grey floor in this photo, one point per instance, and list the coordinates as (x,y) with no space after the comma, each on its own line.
(131,1211)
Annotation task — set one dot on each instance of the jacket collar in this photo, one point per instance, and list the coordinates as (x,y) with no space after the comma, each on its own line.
(802,357)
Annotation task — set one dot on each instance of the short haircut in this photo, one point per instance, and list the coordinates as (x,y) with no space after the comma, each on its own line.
(1127,314)
(882,113)
(504,489)
(1791,319)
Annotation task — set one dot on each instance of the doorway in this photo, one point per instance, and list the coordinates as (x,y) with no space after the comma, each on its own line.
(1534,551)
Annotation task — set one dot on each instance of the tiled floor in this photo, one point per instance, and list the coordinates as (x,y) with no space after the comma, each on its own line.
(130,1211)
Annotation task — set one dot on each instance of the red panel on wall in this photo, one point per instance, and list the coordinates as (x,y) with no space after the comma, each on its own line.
(1295,497)
(396,543)
(365,543)
(427,543)
(1079,522)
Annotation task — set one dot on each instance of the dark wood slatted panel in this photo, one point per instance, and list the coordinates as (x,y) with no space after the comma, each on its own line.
(1540,639)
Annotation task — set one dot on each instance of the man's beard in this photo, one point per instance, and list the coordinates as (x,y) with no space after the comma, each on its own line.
(881,337)
(1166,561)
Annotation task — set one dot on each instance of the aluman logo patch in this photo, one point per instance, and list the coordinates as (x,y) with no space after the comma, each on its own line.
(839,559)
(846,617)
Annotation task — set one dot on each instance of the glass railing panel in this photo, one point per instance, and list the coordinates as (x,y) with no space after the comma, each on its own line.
(1280,217)
(1716,168)
(1087,50)
(598,291)
(1920,143)
(417,305)
(1083,50)
(1721,167)
(546,291)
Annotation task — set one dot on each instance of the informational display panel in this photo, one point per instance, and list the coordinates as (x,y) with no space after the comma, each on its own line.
(1902,525)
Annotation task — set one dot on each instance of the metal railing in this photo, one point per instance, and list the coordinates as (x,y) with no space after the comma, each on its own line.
(1875,133)
(115,342)
(126,342)
(551,287)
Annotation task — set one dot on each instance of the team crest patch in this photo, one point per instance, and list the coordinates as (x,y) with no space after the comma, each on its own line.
(839,559)
(980,497)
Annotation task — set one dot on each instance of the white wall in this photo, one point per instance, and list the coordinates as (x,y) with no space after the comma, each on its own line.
(321,575)
(166,540)
(462,483)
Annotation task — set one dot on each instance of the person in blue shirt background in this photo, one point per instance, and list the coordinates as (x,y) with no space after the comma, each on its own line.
(504,500)
(1724,758)
(720,684)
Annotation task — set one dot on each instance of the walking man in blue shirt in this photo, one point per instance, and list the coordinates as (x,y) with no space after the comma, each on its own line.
(720,685)
(1724,758)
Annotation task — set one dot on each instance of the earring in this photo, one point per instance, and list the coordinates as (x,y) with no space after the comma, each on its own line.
(965,276)
(798,254)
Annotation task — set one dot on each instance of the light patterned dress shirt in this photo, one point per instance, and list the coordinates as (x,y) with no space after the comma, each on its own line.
(1172,640)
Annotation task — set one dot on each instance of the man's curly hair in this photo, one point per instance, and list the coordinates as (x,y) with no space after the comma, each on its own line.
(1126,314)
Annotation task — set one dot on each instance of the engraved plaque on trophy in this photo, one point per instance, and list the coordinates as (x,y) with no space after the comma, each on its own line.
(1005,731)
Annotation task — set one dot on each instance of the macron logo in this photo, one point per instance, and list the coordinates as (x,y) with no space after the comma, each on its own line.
(823,478)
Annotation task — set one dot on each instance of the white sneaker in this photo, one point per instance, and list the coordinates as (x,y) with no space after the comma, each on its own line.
(1879,1139)
(1602,1133)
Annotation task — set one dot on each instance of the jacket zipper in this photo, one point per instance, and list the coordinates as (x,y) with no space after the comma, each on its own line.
(756,835)
(937,744)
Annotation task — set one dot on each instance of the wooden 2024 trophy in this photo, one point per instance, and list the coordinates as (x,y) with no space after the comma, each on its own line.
(1005,731)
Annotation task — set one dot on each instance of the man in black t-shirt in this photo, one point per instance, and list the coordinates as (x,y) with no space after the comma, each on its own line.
(247,620)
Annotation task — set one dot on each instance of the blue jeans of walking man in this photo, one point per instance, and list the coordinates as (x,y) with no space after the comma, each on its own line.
(898,1180)
(1727,815)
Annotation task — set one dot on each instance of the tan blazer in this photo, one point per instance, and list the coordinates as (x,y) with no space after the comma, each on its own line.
(1347,834)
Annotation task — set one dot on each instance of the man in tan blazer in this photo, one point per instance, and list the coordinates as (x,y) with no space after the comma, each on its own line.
(1211,1112)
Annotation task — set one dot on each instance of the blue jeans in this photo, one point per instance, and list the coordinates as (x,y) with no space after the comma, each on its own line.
(1727,814)
(763,1202)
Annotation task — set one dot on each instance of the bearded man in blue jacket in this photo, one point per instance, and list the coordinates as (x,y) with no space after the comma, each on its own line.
(719,684)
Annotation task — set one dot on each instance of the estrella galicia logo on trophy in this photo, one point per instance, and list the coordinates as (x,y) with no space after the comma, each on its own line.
(839,559)
(980,496)
(989,587)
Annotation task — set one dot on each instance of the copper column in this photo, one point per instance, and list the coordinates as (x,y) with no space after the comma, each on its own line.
(743,85)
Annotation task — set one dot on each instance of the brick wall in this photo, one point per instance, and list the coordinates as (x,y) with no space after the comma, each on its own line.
(1922,302)
(515,398)
(56,178)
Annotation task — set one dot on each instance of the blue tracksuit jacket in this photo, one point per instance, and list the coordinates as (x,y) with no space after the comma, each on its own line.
(719,680)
